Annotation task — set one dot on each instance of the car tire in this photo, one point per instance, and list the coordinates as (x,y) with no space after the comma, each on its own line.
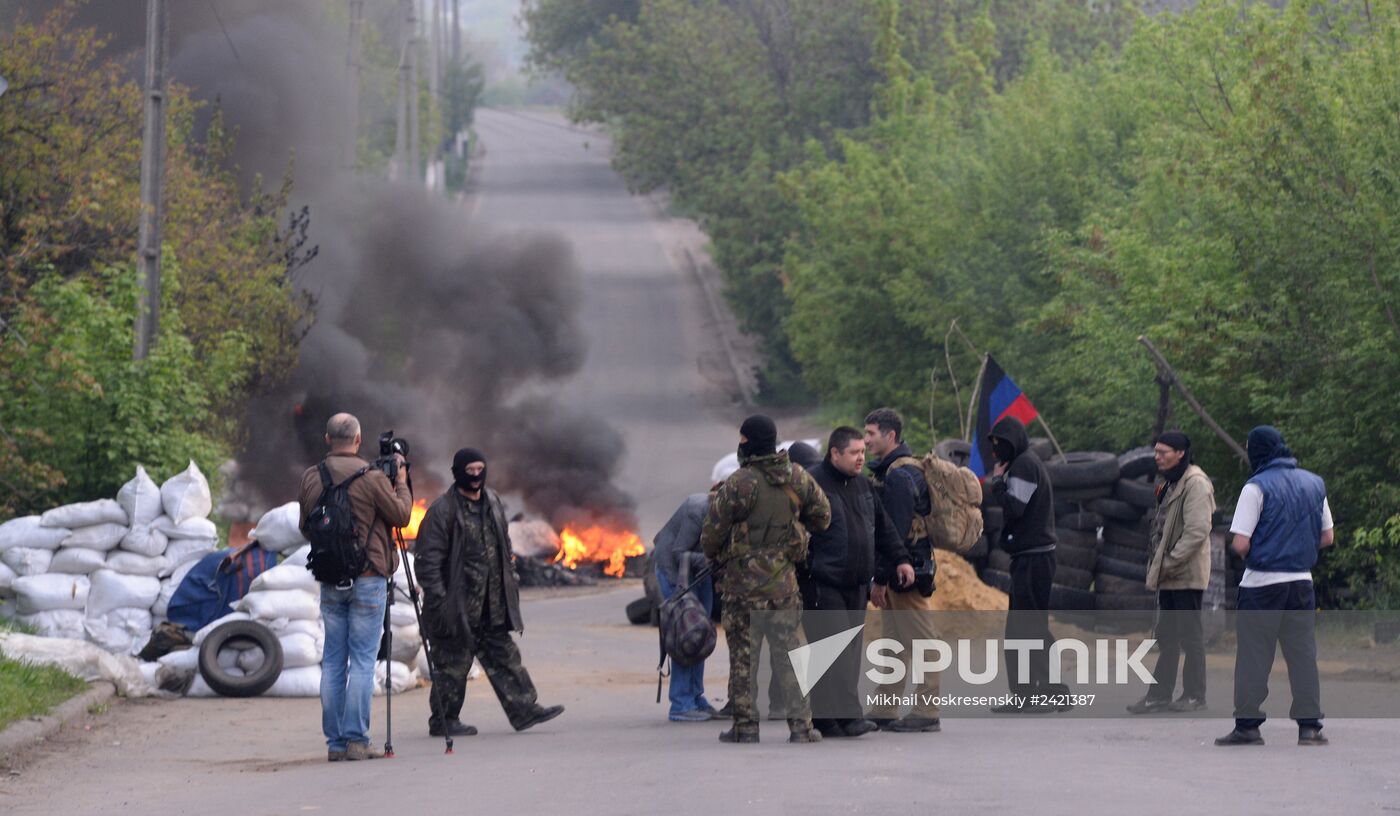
(956,451)
(1115,510)
(1076,557)
(1082,522)
(1137,463)
(252,684)
(639,611)
(1082,469)
(1126,570)
(1121,536)
(1073,578)
(1142,495)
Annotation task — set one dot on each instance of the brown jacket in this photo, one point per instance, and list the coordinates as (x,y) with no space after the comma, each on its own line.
(1181,534)
(375,500)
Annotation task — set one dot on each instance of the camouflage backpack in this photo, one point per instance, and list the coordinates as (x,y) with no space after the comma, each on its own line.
(687,633)
(954,520)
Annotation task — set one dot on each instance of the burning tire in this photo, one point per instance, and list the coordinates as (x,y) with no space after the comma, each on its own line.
(256,681)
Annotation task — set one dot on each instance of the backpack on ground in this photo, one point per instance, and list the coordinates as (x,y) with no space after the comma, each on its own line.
(338,555)
(954,519)
(686,631)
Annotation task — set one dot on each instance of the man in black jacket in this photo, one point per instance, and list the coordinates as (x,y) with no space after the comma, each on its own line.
(836,581)
(1020,484)
(471,601)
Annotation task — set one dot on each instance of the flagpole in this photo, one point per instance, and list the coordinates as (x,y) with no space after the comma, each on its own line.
(1050,433)
(972,406)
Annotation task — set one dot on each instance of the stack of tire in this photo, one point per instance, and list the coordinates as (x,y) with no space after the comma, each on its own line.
(1127,506)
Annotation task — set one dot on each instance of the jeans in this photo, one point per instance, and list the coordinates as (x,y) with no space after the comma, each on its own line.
(1179,633)
(354,620)
(1268,617)
(687,689)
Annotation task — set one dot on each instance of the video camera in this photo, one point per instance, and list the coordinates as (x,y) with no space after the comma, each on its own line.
(388,446)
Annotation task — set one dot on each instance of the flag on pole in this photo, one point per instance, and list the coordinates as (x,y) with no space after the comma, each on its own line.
(1000,397)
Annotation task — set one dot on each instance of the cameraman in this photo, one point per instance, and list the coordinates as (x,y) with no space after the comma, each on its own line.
(354,616)
(471,601)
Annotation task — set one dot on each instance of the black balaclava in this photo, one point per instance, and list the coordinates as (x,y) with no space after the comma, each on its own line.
(465,457)
(762,434)
(1176,440)
(1003,450)
(800,453)
(1264,446)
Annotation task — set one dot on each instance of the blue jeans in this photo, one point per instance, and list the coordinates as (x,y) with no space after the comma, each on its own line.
(354,621)
(687,690)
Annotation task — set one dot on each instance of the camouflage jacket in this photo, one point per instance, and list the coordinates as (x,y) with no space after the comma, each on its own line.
(754,528)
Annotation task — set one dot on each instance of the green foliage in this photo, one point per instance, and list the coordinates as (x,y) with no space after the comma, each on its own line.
(31,691)
(1366,569)
(90,411)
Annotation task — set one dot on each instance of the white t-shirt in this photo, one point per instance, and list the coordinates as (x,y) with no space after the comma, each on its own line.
(1246,518)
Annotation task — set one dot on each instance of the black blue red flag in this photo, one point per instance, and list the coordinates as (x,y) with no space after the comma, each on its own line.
(1001,397)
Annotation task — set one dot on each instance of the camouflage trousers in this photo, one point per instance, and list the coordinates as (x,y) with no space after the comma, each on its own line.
(779,623)
(500,658)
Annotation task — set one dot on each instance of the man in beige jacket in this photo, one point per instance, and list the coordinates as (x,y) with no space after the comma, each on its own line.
(1179,571)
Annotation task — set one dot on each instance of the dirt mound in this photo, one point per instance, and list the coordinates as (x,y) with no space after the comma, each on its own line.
(959,588)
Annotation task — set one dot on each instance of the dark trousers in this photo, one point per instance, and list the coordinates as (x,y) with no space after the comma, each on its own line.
(1029,618)
(834,697)
(500,658)
(1271,616)
(1179,633)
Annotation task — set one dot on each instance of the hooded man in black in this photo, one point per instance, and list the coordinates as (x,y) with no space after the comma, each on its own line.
(836,580)
(1020,484)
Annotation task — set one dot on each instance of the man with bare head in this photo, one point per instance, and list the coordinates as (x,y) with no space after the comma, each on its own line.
(353,608)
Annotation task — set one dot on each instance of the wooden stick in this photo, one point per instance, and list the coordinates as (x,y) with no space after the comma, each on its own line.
(1051,434)
(1166,370)
(971,426)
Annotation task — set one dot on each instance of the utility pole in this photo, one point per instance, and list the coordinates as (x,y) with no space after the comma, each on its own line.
(456,31)
(435,54)
(400,167)
(152,177)
(411,57)
(352,75)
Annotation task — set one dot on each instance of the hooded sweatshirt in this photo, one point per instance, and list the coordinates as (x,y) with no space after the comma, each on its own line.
(1024,495)
(843,555)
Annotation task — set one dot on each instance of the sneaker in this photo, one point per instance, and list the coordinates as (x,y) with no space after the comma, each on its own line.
(538,715)
(1188,704)
(913,725)
(735,734)
(455,728)
(356,751)
(1246,736)
(883,723)
(858,728)
(333,755)
(804,735)
(1149,705)
(1311,735)
(693,715)
(711,712)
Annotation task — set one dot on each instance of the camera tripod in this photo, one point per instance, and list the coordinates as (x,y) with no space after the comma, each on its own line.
(436,692)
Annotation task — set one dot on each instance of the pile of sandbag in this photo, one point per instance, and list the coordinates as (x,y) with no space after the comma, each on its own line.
(103,570)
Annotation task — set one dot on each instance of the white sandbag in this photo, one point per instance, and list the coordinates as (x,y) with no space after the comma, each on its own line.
(279,530)
(26,561)
(118,631)
(27,531)
(291,604)
(285,576)
(82,660)
(315,629)
(401,614)
(190,528)
(140,498)
(112,590)
(403,677)
(228,657)
(78,561)
(300,650)
(129,563)
(56,623)
(251,658)
(7,580)
(186,495)
(406,643)
(144,539)
(54,590)
(185,550)
(168,587)
(101,537)
(302,682)
(400,582)
(215,624)
(182,660)
(298,556)
(85,514)
(420,663)
(534,539)
(149,673)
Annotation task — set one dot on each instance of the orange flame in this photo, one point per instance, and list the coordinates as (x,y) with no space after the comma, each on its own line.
(595,543)
(420,509)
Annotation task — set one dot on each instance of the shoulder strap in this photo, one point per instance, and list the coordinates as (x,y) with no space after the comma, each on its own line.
(325,476)
(796,502)
(357,474)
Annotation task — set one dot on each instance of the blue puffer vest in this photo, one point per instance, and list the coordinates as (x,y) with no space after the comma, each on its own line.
(1290,522)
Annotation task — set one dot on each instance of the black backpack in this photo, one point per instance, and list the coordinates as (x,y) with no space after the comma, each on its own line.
(338,555)
(687,633)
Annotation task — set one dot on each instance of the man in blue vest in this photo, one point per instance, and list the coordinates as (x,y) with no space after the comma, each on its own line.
(1281,522)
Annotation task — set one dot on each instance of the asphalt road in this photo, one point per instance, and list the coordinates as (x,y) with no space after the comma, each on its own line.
(651,369)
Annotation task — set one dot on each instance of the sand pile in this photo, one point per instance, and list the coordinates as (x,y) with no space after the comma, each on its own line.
(958,588)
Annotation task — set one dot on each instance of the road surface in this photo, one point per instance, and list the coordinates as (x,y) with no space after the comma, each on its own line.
(652,370)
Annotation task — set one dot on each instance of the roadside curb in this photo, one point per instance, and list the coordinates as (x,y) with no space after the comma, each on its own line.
(25,733)
(712,298)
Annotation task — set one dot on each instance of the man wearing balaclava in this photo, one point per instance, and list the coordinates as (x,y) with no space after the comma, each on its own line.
(471,602)
(752,534)
(1179,571)
(1281,522)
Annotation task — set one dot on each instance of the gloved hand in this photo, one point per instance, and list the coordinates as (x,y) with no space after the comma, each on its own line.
(442,620)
